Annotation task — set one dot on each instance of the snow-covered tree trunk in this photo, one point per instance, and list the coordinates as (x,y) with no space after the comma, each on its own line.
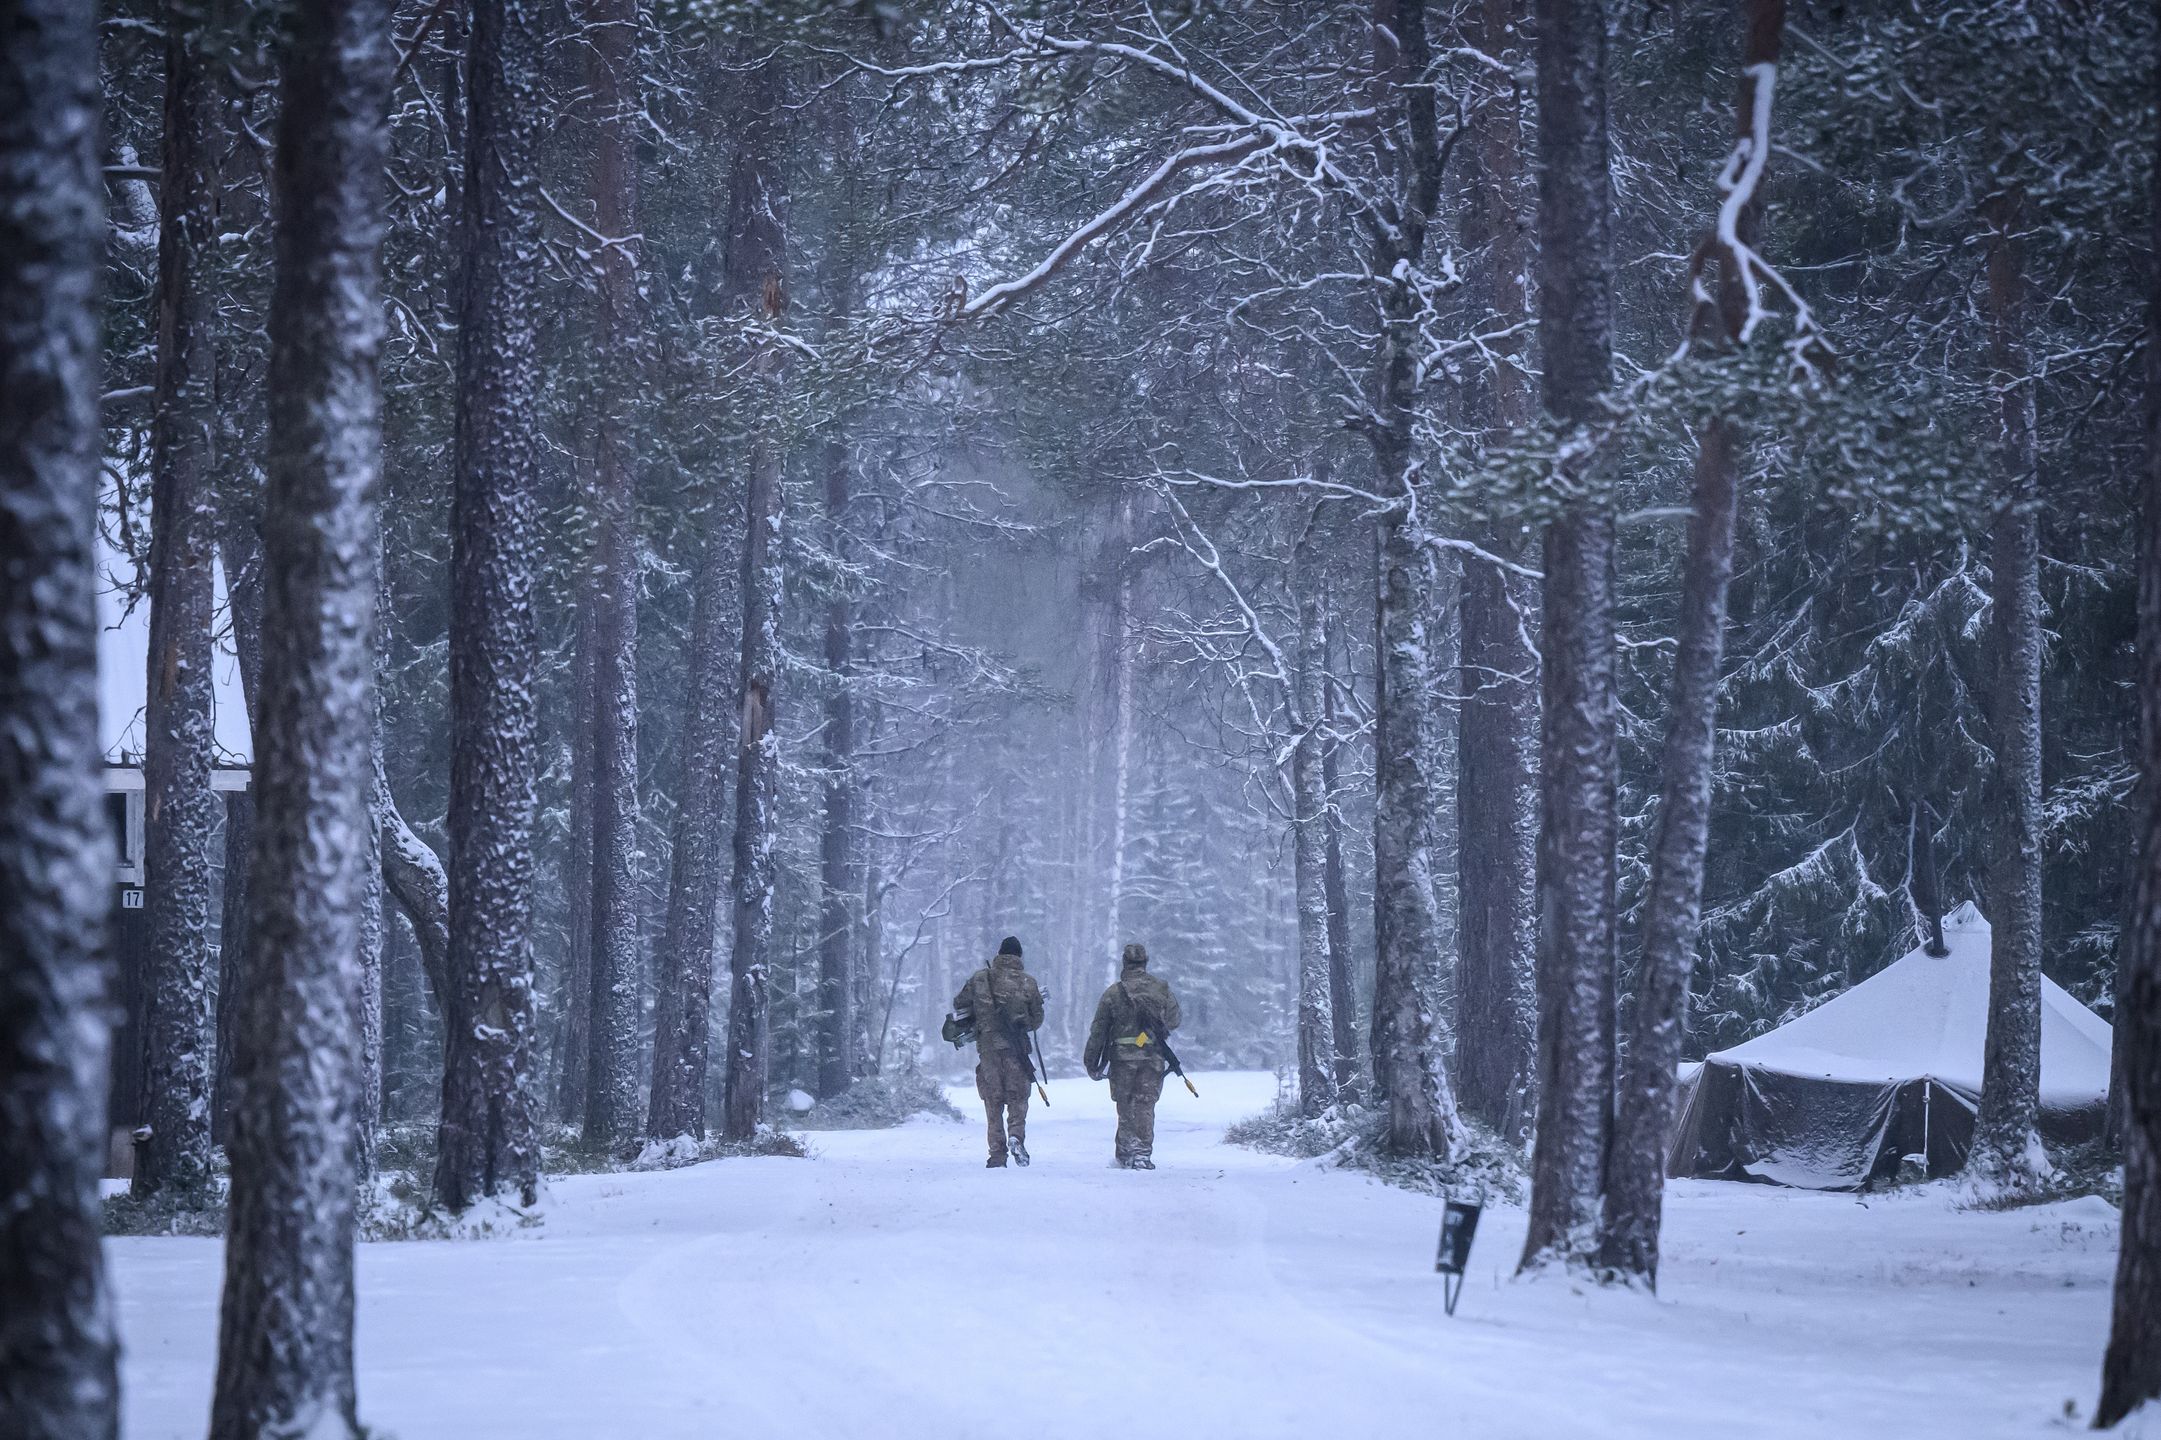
(1672,904)
(757,793)
(1309,843)
(414,876)
(240,546)
(682,1007)
(1406,1073)
(756,257)
(2007,1151)
(1120,739)
(179,807)
(838,886)
(58,1377)
(489,1139)
(1577,754)
(1497,726)
(2131,1366)
(1342,985)
(285,1334)
(611,1096)
(574,1022)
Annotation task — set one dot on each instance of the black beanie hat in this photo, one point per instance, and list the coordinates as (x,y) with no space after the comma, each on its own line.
(1009,946)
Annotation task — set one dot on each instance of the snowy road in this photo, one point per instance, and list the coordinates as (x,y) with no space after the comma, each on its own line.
(893,1287)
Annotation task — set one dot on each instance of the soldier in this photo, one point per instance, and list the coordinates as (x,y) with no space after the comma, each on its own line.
(1007,1005)
(1132,1018)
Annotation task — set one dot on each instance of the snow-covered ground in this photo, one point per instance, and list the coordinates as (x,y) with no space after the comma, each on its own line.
(893,1287)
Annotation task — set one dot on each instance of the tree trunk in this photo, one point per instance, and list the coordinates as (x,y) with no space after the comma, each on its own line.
(1309,809)
(2131,1367)
(756,254)
(1342,986)
(2007,1153)
(611,1096)
(1577,755)
(285,1333)
(1421,1105)
(179,807)
(837,928)
(489,1139)
(415,877)
(682,1011)
(1672,905)
(574,1033)
(58,1376)
(1497,726)
(240,544)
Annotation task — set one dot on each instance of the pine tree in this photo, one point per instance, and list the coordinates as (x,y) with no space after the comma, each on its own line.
(285,1334)
(489,1142)
(756,256)
(611,1096)
(180,808)
(1577,760)
(2131,1368)
(58,1351)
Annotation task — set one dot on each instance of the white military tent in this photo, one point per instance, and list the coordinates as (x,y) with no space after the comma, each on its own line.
(1889,1068)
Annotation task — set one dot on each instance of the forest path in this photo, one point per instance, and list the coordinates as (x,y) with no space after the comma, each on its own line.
(894,1287)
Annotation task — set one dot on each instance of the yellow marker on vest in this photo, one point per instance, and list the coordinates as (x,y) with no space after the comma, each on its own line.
(1141,1039)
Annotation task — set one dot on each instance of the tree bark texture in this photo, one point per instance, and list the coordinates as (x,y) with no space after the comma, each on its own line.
(58,1351)
(1309,844)
(756,255)
(611,1096)
(179,807)
(1577,752)
(682,1012)
(240,545)
(1406,928)
(838,886)
(1497,723)
(574,1033)
(2131,1366)
(2006,1150)
(1342,986)
(1673,903)
(414,876)
(285,1336)
(489,1141)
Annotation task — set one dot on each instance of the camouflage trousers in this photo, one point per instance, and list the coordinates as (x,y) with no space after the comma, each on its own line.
(1136,1085)
(1002,1080)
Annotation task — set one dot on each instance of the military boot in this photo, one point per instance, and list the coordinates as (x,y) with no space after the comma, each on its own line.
(1017,1149)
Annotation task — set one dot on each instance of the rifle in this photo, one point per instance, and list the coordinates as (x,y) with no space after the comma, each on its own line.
(1041,1069)
(1019,1039)
(1152,1034)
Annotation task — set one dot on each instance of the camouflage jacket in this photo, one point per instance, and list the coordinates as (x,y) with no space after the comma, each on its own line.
(1004,992)
(1118,1018)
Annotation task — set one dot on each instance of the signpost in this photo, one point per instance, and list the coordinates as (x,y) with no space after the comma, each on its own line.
(1459,1224)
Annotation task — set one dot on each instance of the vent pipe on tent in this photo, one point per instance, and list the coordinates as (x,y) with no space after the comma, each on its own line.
(1921,883)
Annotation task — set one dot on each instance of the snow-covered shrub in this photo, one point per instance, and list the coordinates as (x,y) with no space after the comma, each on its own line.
(880,1103)
(685,1150)
(167,1214)
(1348,1137)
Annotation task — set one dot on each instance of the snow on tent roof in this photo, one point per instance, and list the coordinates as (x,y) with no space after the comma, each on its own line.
(1927,1016)
(124,667)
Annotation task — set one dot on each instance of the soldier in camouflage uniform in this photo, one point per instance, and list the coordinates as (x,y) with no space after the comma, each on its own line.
(1132,1016)
(1007,1005)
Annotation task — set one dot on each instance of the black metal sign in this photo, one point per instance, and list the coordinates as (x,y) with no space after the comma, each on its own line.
(1459,1225)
